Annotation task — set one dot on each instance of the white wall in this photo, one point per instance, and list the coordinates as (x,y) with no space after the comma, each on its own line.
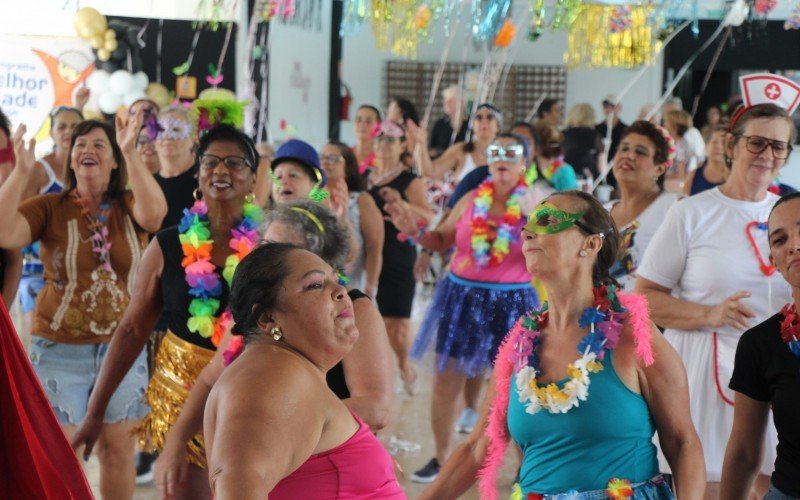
(363,66)
(299,71)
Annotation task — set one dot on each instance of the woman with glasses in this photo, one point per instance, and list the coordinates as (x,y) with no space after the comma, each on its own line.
(707,276)
(487,288)
(92,237)
(581,384)
(392,184)
(186,273)
(340,164)
(462,157)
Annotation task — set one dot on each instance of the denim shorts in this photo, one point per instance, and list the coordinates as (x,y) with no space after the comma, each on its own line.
(29,288)
(68,373)
(776,494)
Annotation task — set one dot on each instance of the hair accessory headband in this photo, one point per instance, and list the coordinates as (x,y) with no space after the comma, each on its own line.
(766,88)
(311,216)
(495,111)
(671,150)
(389,129)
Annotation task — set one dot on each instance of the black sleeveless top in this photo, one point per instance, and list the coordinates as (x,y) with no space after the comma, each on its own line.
(335,376)
(179,192)
(175,290)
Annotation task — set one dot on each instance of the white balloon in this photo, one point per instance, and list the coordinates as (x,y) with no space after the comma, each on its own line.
(109,102)
(121,82)
(98,81)
(737,15)
(134,96)
(140,81)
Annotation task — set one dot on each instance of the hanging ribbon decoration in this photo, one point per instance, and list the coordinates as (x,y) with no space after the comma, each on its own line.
(710,69)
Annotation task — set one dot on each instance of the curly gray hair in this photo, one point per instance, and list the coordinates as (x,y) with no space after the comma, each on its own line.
(322,232)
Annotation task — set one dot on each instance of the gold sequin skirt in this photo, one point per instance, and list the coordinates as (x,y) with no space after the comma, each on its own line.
(177,365)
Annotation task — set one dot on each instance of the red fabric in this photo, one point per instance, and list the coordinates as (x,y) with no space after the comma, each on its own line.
(36,460)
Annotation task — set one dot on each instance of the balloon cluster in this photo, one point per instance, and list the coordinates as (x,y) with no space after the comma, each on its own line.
(620,19)
(764,7)
(120,88)
(114,43)
(793,21)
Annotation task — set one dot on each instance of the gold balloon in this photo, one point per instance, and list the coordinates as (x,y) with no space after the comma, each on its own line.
(111,45)
(103,54)
(89,22)
(97,42)
(110,34)
(159,94)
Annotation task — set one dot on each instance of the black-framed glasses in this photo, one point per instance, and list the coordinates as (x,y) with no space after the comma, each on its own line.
(210,162)
(757,144)
(330,159)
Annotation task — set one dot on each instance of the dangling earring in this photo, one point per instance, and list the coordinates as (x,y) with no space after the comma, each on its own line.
(197,194)
(276,333)
(249,197)
(583,253)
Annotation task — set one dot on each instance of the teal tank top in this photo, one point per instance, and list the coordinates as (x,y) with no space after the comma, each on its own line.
(609,435)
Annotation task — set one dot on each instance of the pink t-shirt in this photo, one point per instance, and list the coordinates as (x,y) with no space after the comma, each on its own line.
(358,468)
(510,270)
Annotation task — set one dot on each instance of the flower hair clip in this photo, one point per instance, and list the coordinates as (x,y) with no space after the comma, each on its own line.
(671,149)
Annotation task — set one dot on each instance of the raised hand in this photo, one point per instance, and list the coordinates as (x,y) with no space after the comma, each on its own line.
(25,156)
(82,97)
(128,131)
(340,198)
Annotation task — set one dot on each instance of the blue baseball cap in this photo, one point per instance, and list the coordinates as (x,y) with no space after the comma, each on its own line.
(303,153)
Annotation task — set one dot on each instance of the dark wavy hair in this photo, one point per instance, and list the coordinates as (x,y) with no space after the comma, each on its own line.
(256,286)
(407,110)
(119,176)
(652,132)
(354,180)
(226,133)
(596,220)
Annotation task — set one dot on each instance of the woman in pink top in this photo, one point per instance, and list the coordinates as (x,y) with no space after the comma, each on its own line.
(271,424)
(487,287)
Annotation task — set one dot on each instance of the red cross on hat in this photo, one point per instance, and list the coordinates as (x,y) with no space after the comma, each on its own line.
(762,88)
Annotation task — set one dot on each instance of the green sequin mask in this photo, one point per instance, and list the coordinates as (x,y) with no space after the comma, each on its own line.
(547,218)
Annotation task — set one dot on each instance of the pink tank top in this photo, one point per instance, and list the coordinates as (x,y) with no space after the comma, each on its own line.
(358,468)
(510,270)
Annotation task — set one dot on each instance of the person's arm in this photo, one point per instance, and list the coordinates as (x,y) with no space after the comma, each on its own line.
(437,240)
(149,205)
(666,391)
(446,162)
(745,447)
(15,232)
(263,185)
(687,185)
(459,473)
(255,439)
(127,343)
(418,200)
(11,275)
(374,232)
(368,368)
(670,312)
(36,181)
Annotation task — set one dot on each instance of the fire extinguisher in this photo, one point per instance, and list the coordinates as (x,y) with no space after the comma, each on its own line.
(346,101)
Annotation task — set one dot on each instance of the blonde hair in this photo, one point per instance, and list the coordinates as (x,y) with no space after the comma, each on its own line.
(581,115)
(681,120)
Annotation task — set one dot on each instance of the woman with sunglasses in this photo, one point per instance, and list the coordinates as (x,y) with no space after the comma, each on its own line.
(487,288)
(584,426)
(462,157)
(185,272)
(712,248)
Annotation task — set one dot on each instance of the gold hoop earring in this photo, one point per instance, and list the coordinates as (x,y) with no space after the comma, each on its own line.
(276,333)
(197,194)
(249,197)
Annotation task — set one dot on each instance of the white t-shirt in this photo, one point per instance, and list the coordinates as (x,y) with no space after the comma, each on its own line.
(702,250)
(636,236)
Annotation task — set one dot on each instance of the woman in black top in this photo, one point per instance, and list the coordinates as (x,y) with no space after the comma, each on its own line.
(392,184)
(766,375)
(228,161)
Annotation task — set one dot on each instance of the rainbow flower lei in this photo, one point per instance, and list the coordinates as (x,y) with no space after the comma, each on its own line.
(486,252)
(604,321)
(201,275)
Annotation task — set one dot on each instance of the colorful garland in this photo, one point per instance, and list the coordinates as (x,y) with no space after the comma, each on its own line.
(617,489)
(604,321)
(204,281)
(487,252)
(549,171)
(101,246)
(790,328)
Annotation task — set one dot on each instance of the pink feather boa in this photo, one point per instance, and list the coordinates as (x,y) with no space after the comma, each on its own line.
(497,429)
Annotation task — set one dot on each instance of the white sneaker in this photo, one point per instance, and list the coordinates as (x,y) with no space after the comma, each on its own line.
(467,420)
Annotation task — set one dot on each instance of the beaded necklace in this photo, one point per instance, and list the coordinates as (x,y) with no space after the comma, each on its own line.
(101,246)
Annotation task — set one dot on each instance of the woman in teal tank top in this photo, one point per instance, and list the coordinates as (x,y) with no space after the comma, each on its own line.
(582,384)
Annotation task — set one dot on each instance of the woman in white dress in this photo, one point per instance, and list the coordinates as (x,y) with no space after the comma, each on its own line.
(707,277)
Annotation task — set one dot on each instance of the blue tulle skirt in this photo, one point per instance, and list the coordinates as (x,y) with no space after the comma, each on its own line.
(469,319)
